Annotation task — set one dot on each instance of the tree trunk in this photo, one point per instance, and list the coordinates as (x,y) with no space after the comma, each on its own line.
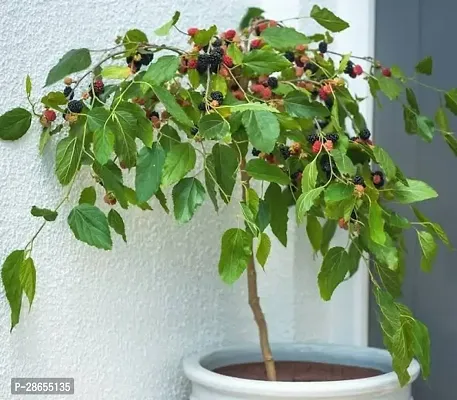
(254,301)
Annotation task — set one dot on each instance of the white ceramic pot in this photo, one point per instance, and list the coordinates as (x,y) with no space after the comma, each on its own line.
(207,385)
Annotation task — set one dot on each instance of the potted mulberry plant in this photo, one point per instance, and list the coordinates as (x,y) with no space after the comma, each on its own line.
(264,112)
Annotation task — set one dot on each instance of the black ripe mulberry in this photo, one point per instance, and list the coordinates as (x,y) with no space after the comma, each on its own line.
(255,152)
(68,92)
(203,62)
(147,58)
(312,138)
(272,82)
(290,56)
(285,151)
(323,47)
(365,134)
(311,67)
(349,68)
(193,130)
(218,96)
(217,42)
(358,180)
(154,114)
(215,58)
(202,106)
(325,164)
(378,179)
(333,137)
(75,106)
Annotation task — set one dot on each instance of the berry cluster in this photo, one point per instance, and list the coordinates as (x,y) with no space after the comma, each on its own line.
(138,60)
(353,70)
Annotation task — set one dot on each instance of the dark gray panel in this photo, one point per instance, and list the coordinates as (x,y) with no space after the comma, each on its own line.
(407,31)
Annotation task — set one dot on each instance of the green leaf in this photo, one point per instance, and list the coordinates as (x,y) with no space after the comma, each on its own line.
(309,177)
(68,158)
(425,66)
(328,232)
(179,161)
(432,227)
(194,78)
(27,277)
(442,120)
(117,223)
(165,29)
(236,250)
(88,196)
(97,118)
(389,87)
(283,38)
(397,72)
(252,106)
(278,212)
(262,170)
(299,105)
(168,138)
(451,100)
(111,176)
(306,201)
(149,171)
(162,201)
(376,223)
(429,250)
(385,161)
(234,52)
(354,257)
(130,196)
(54,100)
(396,323)
(204,36)
(133,118)
(133,38)
(416,191)
(225,167)
(188,195)
(124,126)
(116,72)
(163,70)
(213,126)
(44,139)
(28,85)
(264,62)
(252,12)
(425,127)
(170,104)
(103,145)
(263,215)
(90,225)
(398,221)
(73,61)
(412,100)
(262,128)
(219,84)
(338,192)
(333,271)
(421,346)
(210,180)
(11,271)
(344,62)
(48,215)
(14,124)
(315,232)
(343,162)
(263,250)
(328,20)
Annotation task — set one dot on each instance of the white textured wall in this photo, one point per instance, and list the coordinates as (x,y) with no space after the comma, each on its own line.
(119,322)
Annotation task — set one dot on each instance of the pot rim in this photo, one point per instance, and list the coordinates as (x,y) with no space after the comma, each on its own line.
(383,383)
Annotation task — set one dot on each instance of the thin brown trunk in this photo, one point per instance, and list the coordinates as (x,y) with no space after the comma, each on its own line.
(254,300)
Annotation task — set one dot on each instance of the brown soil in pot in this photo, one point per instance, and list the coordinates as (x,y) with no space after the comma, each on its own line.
(289,371)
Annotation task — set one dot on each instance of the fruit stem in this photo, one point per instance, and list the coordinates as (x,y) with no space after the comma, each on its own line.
(254,300)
